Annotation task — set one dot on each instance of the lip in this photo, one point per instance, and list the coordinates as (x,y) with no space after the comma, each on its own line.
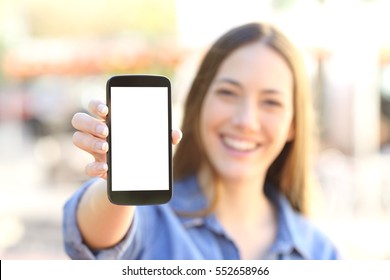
(239,146)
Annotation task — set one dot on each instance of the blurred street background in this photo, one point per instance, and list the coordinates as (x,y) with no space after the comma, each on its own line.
(57,55)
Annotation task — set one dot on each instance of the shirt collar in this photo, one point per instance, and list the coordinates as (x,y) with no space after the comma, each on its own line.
(188,198)
(290,227)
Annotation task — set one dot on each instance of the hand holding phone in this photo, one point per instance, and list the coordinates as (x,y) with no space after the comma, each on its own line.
(140,154)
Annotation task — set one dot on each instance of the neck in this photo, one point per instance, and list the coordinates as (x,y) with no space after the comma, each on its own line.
(240,201)
(244,212)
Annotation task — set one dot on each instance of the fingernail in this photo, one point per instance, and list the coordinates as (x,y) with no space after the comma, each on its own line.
(178,133)
(102,167)
(102,109)
(101,146)
(102,129)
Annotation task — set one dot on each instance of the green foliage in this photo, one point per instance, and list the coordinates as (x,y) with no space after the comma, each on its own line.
(150,18)
(283,4)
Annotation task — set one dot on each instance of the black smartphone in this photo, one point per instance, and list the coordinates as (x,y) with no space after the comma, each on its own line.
(140,151)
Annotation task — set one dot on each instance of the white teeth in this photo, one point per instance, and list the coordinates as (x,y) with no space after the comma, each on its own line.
(241,145)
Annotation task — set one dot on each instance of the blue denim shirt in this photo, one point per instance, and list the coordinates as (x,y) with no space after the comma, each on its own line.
(157,232)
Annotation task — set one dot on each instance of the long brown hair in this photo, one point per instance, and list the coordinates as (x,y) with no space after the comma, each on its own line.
(290,170)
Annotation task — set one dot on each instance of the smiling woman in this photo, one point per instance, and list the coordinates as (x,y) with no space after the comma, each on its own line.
(252,92)
(290,170)
(241,171)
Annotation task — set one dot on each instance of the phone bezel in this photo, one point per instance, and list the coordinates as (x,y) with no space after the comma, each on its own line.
(147,197)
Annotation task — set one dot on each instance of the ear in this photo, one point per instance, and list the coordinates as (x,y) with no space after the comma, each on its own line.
(291,132)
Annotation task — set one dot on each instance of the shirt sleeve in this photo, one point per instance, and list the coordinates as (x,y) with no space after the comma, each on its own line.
(74,244)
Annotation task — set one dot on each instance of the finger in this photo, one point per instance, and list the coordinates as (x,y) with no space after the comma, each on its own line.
(88,124)
(78,141)
(176,136)
(98,108)
(89,143)
(97,169)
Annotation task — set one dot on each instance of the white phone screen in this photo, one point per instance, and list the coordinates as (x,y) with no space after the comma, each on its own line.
(139,138)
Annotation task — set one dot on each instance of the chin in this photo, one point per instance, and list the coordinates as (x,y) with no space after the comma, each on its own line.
(236,175)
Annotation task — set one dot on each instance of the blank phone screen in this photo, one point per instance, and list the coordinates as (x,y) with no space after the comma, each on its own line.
(139,138)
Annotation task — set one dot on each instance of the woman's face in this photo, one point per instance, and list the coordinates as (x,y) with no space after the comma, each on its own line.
(247,113)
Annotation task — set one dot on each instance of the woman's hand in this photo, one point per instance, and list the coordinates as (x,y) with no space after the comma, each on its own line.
(91,136)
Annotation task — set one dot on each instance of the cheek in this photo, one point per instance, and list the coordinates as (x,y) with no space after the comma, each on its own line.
(211,114)
(278,125)
(214,115)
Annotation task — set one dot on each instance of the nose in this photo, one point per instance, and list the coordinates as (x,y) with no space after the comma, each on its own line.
(247,116)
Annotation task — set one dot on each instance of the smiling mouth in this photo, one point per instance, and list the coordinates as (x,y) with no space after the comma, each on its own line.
(239,144)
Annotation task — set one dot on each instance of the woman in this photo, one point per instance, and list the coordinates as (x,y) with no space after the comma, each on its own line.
(241,170)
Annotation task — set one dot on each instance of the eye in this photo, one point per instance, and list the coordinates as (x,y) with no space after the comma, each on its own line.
(271,103)
(225,92)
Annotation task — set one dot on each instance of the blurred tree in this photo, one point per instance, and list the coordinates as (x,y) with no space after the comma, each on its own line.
(57,18)
(283,4)
(87,37)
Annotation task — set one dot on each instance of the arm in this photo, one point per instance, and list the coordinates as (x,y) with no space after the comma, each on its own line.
(101,223)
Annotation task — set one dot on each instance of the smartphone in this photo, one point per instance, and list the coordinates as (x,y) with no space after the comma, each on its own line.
(140,152)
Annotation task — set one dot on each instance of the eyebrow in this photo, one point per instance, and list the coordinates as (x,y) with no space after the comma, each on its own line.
(237,84)
(229,81)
